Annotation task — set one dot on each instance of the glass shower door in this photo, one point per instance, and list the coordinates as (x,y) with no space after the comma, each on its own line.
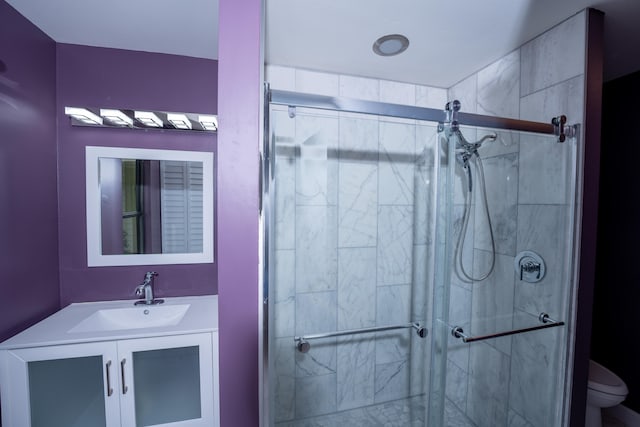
(351,236)
(496,371)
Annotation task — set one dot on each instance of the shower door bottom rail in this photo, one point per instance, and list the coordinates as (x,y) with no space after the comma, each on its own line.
(303,345)
(547,322)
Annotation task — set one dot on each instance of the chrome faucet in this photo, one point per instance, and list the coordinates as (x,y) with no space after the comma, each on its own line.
(146,288)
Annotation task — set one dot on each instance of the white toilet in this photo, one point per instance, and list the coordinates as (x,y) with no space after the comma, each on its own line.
(605,389)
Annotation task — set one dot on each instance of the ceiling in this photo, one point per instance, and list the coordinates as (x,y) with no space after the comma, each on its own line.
(448,40)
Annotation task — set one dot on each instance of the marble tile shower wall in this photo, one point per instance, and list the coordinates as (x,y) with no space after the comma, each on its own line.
(352,240)
(518,380)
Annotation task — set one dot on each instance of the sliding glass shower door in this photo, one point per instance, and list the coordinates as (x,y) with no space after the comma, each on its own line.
(504,281)
(418,274)
(351,267)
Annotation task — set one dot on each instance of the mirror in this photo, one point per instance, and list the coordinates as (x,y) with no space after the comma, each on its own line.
(148,207)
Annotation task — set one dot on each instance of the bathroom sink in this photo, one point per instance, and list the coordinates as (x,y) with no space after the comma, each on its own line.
(113,319)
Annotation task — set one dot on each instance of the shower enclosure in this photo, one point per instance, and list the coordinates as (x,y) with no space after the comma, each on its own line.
(419,264)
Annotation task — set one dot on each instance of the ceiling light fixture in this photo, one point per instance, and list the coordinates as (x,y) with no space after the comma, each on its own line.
(390,45)
(208,122)
(148,118)
(180,121)
(116,117)
(83,115)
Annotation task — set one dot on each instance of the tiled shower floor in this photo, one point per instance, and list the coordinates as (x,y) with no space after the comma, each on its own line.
(399,413)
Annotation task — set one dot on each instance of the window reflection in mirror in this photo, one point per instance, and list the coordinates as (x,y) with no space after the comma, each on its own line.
(154,205)
(149,206)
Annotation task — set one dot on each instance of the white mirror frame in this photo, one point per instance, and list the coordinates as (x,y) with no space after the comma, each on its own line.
(95,258)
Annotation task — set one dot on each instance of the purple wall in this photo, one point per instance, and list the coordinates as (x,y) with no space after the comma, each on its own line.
(99,77)
(28,195)
(239,111)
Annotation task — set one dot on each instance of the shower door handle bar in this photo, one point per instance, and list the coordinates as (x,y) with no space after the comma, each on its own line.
(303,345)
(544,318)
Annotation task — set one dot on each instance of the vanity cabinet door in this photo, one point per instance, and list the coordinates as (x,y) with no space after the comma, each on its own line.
(168,381)
(60,386)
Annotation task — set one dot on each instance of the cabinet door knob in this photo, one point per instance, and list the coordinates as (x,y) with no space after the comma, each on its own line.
(124,386)
(108,371)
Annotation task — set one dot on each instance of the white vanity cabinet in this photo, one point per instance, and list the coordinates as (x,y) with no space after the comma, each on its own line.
(146,380)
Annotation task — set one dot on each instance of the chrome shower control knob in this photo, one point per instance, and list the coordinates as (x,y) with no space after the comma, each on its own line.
(529,266)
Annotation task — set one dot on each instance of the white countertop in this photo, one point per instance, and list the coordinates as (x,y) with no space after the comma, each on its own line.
(202,316)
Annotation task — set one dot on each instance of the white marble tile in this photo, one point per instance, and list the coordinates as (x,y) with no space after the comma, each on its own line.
(357,205)
(395,244)
(316,248)
(565,98)
(359,88)
(391,381)
(426,144)
(543,229)
(285,182)
(359,139)
(466,92)
(356,372)
(316,314)
(492,307)
(488,392)
(397,93)
(397,160)
(281,78)
(453,417)
(316,395)
(544,171)
(499,88)
(554,56)
(546,166)
(356,288)
(536,374)
(456,385)
(358,177)
(316,172)
(460,300)
(284,389)
(393,306)
(317,83)
(501,186)
(284,290)
(515,420)
(459,315)
(506,142)
(431,97)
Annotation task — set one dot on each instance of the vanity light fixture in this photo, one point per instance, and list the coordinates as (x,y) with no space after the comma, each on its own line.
(208,122)
(179,121)
(83,115)
(148,118)
(116,117)
(126,118)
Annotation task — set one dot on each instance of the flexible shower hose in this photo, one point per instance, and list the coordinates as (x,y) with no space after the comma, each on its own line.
(465,224)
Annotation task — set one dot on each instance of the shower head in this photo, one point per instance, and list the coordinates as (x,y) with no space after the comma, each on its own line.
(472,146)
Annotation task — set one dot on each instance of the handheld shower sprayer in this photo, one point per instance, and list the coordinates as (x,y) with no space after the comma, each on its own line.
(466,151)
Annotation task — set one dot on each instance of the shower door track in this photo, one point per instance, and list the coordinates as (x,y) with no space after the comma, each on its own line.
(349,105)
